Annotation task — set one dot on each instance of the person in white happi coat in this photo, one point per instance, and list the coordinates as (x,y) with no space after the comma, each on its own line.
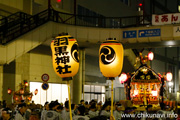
(45,109)
(81,114)
(105,110)
(92,112)
(52,114)
(21,111)
(118,112)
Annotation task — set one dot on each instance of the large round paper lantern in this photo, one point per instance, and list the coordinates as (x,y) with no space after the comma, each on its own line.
(65,55)
(111,58)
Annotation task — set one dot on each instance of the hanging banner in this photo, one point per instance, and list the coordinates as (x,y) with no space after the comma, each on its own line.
(166,19)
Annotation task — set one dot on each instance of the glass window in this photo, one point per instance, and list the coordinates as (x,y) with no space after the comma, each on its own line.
(92,88)
(98,89)
(86,88)
(103,89)
(92,96)
(87,97)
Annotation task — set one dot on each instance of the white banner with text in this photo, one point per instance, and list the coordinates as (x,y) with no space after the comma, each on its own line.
(166,19)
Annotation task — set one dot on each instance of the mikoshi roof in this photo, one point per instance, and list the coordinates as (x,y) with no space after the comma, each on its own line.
(145,74)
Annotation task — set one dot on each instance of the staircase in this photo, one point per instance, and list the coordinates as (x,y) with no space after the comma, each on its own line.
(20,23)
(14,41)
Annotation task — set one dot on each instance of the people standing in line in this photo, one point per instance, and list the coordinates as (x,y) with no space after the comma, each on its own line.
(21,111)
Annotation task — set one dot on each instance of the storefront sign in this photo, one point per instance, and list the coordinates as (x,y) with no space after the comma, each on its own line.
(165,19)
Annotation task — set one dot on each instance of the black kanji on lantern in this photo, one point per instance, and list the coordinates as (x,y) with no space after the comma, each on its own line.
(64,59)
(61,51)
(63,70)
(61,41)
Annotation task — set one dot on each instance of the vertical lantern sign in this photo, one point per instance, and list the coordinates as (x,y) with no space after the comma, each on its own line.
(111,61)
(65,58)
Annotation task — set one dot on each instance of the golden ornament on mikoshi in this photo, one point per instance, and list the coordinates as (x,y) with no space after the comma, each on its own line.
(111,58)
(65,55)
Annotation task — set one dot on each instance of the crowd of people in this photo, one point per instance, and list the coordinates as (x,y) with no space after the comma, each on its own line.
(84,111)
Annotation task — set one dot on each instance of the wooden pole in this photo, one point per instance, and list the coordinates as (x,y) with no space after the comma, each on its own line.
(112,94)
(70,113)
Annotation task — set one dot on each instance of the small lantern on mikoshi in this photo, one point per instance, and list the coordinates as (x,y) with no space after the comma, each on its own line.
(150,56)
(123,78)
(26,84)
(111,58)
(21,91)
(65,55)
(36,91)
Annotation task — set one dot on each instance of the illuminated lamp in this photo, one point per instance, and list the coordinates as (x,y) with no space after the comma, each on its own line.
(58,1)
(169,76)
(21,91)
(26,84)
(29,98)
(140,4)
(154,93)
(9,91)
(65,55)
(16,98)
(123,78)
(136,92)
(111,55)
(150,56)
(65,59)
(111,58)
(36,91)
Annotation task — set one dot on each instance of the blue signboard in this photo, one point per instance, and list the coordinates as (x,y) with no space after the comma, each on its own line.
(149,33)
(45,86)
(130,34)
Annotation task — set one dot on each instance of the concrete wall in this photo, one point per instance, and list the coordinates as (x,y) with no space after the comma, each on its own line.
(18,4)
(40,64)
(8,80)
(32,66)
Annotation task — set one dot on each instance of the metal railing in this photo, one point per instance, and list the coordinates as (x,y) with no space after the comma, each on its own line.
(20,23)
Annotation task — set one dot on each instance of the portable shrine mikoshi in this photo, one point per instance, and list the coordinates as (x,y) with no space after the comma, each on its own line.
(145,87)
